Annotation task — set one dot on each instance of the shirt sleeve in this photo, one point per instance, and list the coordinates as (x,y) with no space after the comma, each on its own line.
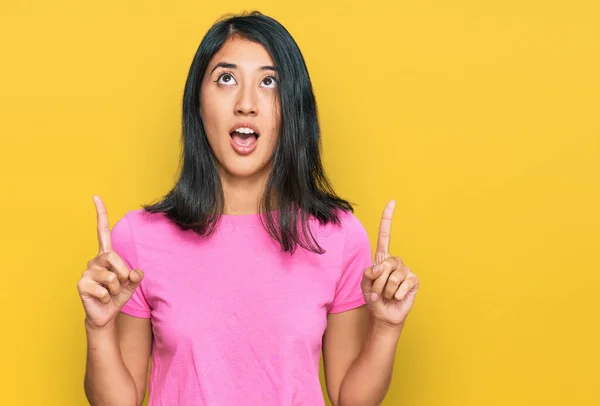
(124,244)
(356,257)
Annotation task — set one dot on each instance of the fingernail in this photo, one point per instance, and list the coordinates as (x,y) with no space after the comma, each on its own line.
(376,268)
(374,296)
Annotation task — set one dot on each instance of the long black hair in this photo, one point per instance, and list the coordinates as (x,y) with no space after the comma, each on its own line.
(297,187)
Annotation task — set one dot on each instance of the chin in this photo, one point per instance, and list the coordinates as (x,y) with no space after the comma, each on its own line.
(246,168)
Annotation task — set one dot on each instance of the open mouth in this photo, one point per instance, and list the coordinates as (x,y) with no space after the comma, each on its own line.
(244,136)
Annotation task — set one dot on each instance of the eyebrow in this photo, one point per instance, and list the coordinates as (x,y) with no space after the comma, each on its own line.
(228,65)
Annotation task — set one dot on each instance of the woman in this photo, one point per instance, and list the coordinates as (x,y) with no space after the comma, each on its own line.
(252,265)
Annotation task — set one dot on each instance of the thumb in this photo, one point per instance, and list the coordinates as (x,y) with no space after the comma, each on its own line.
(135,278)
(129,286)
(369,276)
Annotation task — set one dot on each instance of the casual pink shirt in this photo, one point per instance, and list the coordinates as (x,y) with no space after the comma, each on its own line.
(235,320)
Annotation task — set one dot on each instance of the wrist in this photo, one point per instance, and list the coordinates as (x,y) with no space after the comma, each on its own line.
(91,328)
(385,329)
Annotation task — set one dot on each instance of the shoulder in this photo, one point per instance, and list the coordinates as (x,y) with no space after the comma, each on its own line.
(141,216)
(352,228)
(347,232)
(142,220)
(141,224)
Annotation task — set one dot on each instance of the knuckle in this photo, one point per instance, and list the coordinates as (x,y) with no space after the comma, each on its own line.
(393,263)
(111,256)
(97,262)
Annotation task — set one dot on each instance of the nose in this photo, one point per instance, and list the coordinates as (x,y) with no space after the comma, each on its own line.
(247,101)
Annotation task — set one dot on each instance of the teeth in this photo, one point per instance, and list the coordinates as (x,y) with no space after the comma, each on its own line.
(245,130)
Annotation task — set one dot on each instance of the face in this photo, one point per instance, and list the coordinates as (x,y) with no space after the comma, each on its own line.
(240,110)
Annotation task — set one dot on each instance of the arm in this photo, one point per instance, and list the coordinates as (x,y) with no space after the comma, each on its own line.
(360,344)
(118,345)
(358,356)
(117,361)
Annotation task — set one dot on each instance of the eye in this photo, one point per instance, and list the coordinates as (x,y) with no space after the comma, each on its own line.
(269,82)
(226,79)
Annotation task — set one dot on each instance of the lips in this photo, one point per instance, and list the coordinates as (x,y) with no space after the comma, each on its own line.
(244,125)
(244,138)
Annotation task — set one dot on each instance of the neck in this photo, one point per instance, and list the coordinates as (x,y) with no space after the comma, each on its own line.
(242,194)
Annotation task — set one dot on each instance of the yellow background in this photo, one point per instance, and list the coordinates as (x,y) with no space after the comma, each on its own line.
(479,117)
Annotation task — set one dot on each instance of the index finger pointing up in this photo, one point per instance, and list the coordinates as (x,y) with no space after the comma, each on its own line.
(384,235)
(103,227)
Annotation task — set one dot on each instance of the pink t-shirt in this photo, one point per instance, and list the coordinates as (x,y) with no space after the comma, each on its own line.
(235,320)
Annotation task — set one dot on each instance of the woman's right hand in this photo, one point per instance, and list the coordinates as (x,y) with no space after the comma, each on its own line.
(107,283)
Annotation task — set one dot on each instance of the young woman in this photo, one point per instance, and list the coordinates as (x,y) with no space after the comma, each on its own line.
(251,264)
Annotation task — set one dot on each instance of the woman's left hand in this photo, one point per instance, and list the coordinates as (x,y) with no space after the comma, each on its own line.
(389,286)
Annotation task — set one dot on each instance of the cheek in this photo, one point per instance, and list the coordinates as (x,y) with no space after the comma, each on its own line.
(273,116)
(210,115)
(275,131)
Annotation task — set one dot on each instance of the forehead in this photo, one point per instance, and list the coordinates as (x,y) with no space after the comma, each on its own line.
(242,52)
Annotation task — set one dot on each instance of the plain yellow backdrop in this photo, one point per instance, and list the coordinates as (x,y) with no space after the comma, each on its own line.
(481,118)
